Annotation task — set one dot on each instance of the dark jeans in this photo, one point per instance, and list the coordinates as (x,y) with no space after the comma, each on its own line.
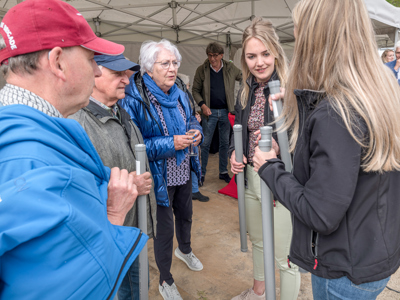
(180,205)
(219,116)
(129,289)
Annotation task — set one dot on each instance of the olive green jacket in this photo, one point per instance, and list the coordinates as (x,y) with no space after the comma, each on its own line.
(115,142)
(201,83)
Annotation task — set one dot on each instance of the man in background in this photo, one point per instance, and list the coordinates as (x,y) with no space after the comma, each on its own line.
(213,90)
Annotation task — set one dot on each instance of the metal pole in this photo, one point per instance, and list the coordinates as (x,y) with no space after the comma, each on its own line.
(140,151)
(274,88)
(267,210)
(237,130)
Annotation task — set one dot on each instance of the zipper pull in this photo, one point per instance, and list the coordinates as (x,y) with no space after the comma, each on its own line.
(288,262)
(316,264)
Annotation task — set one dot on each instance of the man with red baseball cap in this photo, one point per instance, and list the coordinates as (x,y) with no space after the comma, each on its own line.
(60,208)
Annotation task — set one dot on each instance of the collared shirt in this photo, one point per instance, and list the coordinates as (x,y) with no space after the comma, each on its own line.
(12,94)
(113,110)
(222,64)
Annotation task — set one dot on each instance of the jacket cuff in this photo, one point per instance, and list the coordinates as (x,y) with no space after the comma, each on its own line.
(201,103)
(268,163)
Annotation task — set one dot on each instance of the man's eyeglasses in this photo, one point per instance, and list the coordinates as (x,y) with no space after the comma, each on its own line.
(165,64)
(211,55)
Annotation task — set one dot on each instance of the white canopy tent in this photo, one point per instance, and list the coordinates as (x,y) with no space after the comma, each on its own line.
(386,20)
(192,24)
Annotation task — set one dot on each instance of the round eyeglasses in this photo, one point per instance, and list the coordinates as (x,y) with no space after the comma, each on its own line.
(165,64)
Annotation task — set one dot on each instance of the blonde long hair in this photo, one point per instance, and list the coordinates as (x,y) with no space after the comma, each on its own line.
(265,32)
(336,53)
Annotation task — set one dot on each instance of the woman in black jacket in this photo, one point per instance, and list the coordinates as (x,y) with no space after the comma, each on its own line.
(263,60)
(344,120)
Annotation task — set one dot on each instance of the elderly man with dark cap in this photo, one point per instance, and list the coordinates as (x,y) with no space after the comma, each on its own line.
(61,209)
(114,135)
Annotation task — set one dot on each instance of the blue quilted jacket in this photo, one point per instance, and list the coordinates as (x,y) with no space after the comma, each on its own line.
(391,65)
(55,239)
(158,146)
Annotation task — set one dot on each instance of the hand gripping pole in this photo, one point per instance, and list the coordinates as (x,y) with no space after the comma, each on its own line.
(140,151)
(274,88)
(267,210)
(237,130)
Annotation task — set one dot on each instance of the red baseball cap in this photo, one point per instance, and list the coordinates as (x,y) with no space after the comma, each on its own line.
(35,25)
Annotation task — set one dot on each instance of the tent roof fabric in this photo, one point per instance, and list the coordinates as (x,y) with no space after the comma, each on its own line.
(188,22)
(192,24)
(200,22)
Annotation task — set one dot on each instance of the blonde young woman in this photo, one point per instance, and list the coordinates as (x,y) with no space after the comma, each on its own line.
(263,60)
(387,56)
(342,109)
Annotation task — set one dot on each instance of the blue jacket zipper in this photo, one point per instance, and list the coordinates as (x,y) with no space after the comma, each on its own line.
(124,263)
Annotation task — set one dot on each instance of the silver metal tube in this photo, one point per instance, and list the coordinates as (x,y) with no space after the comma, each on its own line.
(267,210)
(140,151)
(237,130)
(274,88)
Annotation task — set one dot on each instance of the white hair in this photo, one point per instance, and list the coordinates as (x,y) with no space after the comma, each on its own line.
(397,45)
(24,64)
(185,78)
(150,50)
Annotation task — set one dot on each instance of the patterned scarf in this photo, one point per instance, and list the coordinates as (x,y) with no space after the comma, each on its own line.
(169,106)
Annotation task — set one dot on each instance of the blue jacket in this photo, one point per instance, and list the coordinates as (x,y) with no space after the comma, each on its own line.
(158,146)
(391,65)
(55,239)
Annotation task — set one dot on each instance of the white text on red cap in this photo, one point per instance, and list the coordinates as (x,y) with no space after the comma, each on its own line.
(11,40)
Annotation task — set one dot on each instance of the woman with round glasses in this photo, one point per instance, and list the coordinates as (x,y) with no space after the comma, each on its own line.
(162,112)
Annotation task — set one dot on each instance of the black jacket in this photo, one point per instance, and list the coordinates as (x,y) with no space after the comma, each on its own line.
(345,221)
(242,115)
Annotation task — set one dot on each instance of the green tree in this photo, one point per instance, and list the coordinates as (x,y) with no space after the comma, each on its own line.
(394,2)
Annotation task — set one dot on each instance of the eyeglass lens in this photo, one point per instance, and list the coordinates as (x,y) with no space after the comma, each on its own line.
(166,64)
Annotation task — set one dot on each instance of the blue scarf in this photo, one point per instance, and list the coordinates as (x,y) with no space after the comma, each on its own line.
(172,115)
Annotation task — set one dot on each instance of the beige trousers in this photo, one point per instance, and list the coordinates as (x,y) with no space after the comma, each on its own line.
(289,277)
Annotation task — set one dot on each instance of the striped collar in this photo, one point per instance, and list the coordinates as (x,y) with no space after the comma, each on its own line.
(12,94)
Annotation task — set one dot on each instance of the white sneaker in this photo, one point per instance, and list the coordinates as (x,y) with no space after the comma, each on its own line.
(249,295)
(169,292)
(190,259)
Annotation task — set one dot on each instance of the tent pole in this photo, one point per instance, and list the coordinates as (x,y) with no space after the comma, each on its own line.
(267,212)
(140,150)
(228,44)
(237,131)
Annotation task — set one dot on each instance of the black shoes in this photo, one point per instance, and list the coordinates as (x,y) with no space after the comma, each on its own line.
(200,197)
(225,177)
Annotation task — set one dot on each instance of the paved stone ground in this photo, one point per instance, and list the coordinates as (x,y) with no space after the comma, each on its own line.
(215,240)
